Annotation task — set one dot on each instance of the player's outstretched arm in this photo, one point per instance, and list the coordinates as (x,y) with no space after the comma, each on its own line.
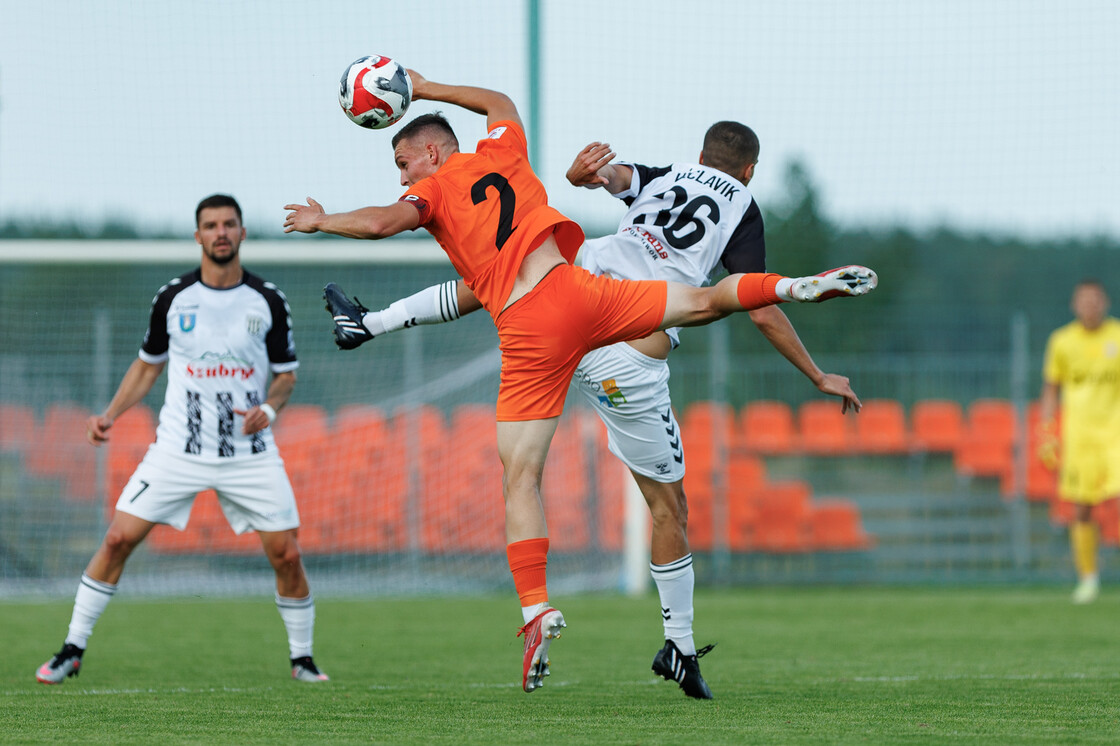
(366,222)
(592,168)
(494,105)
(779,331)
(135,385)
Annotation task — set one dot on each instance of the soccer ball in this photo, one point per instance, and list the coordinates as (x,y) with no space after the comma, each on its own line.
(375,92)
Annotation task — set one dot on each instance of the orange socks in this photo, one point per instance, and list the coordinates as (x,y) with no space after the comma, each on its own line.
(757,290)
(528,561)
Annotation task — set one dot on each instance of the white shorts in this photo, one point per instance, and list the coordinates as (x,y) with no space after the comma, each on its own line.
(630,393)
(254,492)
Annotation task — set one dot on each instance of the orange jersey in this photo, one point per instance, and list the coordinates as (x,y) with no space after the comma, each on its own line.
(488,210)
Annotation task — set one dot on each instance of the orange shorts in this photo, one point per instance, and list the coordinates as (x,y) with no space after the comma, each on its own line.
(544,335)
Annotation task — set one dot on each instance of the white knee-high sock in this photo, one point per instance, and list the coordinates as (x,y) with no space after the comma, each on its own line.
(91,599)
(675,582)
(432,305)
(299,619)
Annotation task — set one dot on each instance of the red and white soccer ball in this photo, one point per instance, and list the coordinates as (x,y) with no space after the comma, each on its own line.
(375,92)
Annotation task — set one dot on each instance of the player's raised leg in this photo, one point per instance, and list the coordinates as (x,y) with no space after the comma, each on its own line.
(523,447)
(693,306)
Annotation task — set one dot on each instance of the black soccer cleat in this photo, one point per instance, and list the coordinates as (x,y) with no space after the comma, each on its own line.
(304,669)
(671,664)
(66,662)
(349,332)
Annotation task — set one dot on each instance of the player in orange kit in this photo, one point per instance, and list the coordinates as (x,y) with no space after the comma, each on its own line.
(490,213)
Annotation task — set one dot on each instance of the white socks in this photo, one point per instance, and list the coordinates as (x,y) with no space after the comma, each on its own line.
(529,613)
(299,619)
(675,582)
(432,305)
(783,287)
(92,598)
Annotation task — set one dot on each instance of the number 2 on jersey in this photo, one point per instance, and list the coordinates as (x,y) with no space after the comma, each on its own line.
(507,202)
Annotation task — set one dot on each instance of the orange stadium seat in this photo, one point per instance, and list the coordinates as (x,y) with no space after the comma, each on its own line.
(1042,482)
(767,427)
(564,487)
(361,505)
(708,432)
(613,480)
(745,471)
(129,439)
(1107,516)
(207,533)
(784,512)
(708,429)
(62,451)
(460,499)
(301,433)
(836,526)
(746,477)
(881,427)
(937,425)
(17,428)
(987,448)
(823,429)
(742,522)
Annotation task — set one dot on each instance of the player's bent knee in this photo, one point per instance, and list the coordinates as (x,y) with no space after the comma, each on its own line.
(667,505)
(119,544)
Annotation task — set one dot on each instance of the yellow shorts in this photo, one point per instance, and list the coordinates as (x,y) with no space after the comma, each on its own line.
(544,335)
(1090,471)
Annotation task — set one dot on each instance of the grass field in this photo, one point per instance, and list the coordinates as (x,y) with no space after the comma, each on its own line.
(839,665)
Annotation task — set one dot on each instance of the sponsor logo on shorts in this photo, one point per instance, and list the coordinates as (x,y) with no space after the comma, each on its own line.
(612,395)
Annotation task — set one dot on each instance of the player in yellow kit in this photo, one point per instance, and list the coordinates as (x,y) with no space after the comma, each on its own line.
(1081,377)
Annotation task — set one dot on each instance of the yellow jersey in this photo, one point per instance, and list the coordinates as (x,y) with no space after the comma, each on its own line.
(1086,365)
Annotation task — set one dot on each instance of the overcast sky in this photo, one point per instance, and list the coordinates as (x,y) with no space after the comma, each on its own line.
(993,115)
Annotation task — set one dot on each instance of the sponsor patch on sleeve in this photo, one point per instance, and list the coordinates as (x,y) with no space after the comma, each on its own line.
(420,204)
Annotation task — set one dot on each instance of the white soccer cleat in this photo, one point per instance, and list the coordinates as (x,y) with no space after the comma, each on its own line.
(539,634)
(66,662)
(304,669)
(1086,591)
(842,282)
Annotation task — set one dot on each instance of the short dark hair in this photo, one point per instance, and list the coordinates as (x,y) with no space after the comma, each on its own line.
(730,146)
(217,200)
(422,125)
(1091,282)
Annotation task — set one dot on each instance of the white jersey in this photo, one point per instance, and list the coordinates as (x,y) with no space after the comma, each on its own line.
(684,221)
(219,345)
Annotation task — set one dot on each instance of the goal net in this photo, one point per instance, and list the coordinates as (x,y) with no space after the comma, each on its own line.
(390,448)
